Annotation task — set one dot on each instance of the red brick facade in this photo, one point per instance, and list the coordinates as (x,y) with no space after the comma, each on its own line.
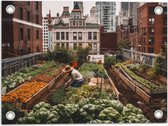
(152,28)
(22,31)
(108,42)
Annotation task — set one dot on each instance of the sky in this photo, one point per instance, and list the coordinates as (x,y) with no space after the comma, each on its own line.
(57,6)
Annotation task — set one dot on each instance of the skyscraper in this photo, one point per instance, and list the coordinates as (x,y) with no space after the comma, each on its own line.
(106,15)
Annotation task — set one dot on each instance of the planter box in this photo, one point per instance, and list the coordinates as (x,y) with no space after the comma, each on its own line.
(115,91)
(133,87)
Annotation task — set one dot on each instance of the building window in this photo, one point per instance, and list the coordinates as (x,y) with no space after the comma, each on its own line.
(151,10)
(89,35)
(28,34)
(28,15)
(37,34)
(151,50)
(151,41)
(67,35)
(20,12)
(151,31)
(75,46)
(58,45)
(21,33)
(90,45)
(62,45)
(74,36)
(62,36)
(37,5)
(57,36)
(164,30)
(95,35)
(80,35)
(38,49)
(165,10)
(80,22)
(79,45)
(151,21)
(37,19)
(73,22)
(67,46)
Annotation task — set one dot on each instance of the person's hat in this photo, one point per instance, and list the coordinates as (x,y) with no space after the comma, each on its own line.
(67,69)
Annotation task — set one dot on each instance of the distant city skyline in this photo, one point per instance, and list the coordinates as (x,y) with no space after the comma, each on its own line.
(57,7)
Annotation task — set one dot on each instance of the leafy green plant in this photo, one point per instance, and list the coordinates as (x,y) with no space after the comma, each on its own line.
(82,55)
(109,60)
(62,56)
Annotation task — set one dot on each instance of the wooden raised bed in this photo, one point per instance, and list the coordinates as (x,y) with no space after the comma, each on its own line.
(133,87)
(147,90)
(115,91)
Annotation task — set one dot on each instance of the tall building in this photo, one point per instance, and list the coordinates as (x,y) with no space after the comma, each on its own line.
(76,32)
(133,7)
(152,28)
(45,33)
(106,15)
(22,30)
(93,12)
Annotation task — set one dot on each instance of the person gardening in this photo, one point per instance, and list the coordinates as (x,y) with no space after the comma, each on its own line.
(76,77)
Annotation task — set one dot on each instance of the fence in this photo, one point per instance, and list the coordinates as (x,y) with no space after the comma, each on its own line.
(11,65)
(146,58)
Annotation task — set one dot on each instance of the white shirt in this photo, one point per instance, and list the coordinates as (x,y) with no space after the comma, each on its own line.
(76,75)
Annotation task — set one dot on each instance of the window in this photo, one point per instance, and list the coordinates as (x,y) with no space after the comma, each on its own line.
(73,22)
(28,15)
(89,35)
(165,10)
(28,34)
(79,45)
(21,33)
(151,10)
(37,19)
(95,35)
(90,45)
(62,36)
(67,35)
(20,12)
(38,49)
(151,31)
(37,5)
(74,36)
(80,35)
(57,36)
(151,50)
(151,41)
(164,30)
(75,46)
(62,45)
(151,21)
(58,45)
(37,34)
(67,46)
(80,22)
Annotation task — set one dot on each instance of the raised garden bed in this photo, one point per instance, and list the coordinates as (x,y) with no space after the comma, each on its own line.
(149,87)
(133,87)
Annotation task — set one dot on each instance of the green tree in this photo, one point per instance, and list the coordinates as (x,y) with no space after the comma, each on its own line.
(82,55)
(124,43)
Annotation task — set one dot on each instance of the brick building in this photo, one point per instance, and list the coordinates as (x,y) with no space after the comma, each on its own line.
(108,42)
(152,28)
(22,30)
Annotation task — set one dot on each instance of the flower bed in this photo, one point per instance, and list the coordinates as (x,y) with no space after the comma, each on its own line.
(24,92)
